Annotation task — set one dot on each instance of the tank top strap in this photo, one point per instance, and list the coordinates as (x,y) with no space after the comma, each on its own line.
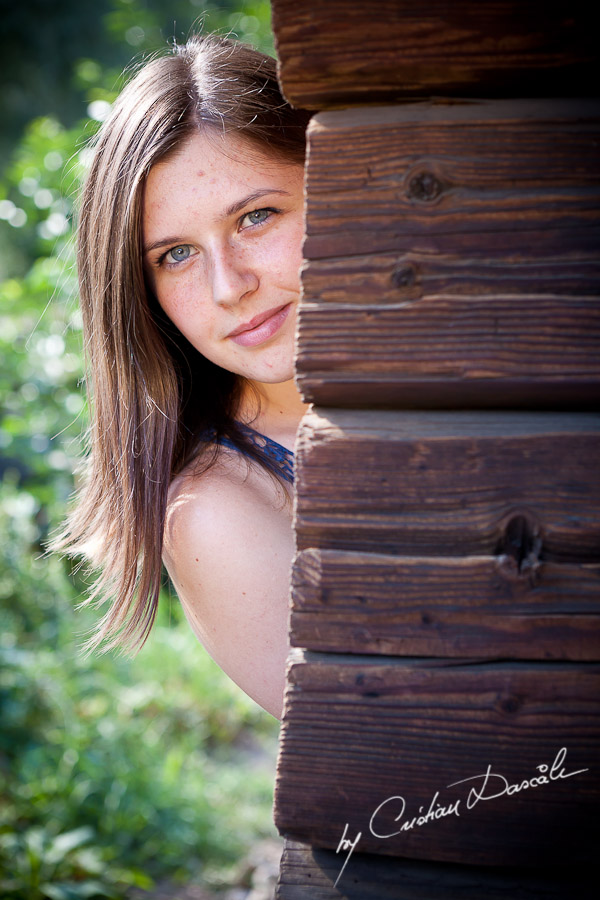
(276,452)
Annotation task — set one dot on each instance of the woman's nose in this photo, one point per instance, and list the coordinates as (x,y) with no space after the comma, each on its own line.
(232,277)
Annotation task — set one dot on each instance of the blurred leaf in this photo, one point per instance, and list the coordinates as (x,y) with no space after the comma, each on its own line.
(75,890)
(64,843)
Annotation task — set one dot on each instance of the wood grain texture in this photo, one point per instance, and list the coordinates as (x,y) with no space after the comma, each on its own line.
(452,257)
(448,484)
(474,606)
(309,873)
(447,351)
(380,177)
(352,51)
(558,266)
(357,732)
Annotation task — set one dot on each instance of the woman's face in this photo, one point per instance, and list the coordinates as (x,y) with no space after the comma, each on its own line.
(222,233)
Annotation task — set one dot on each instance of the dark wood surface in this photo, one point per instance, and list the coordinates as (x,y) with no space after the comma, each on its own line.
(390,278)
(448,562)
(355,51)
(309,873)
(453,257)
(449,484)
(358,731)
(379,176)
(431,606)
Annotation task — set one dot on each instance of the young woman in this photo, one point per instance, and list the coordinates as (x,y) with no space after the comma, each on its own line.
(189,249)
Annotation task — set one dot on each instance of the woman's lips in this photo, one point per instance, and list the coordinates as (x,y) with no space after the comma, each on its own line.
(260,328)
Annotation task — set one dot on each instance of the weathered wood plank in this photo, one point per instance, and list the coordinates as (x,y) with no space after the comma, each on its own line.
(452,257)
(357,733)
(377,391)
(411,178)
(309,873)
(449,351)
(448,484)
(558,266)
(346,51)
(474,606)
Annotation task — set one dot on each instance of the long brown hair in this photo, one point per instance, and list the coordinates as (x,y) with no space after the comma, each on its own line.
(141,371)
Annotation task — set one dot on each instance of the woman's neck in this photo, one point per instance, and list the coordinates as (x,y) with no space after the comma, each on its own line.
(273,409)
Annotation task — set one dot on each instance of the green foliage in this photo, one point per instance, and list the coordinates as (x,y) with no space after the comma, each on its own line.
(113,771)
(51,50)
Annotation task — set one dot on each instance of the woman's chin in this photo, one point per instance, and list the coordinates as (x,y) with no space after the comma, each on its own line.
(272,377)
(276,370)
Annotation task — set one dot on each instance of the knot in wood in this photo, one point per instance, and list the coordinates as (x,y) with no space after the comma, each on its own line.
(425,187)
(520,545)
(509,704)
(403,276)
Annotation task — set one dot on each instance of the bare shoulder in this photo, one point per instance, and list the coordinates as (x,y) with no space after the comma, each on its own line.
(228,547)
(224,500)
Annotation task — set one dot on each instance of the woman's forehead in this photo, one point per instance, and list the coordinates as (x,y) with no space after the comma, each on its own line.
(208,179)
(214,152)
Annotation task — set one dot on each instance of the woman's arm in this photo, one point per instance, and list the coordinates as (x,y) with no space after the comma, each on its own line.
(228,549)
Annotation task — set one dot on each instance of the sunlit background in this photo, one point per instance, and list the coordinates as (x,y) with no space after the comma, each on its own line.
(114,773)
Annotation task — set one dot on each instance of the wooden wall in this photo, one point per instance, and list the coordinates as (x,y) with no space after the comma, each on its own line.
(445,597)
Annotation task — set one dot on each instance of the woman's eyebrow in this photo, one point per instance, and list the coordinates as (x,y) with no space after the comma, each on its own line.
(172,240)
(256,195)
(161,242)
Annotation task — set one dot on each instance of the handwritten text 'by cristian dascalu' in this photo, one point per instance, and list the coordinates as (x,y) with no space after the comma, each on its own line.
(487,786)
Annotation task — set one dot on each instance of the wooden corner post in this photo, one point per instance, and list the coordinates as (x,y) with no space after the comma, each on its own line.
(441,730)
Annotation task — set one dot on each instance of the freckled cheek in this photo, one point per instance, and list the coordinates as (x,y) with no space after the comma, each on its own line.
(285,260)
(188,310)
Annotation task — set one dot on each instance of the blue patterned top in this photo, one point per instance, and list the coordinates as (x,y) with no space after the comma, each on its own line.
(279,454)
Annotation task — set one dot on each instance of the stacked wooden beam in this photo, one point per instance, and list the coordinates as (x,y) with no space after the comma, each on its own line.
(445,608)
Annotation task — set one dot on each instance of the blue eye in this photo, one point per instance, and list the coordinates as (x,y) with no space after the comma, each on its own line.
(258,216)
(178,254)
